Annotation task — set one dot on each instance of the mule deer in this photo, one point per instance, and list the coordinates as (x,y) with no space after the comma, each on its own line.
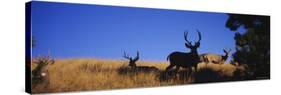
(185,60)
(132,64)
(215,58)
(41,74)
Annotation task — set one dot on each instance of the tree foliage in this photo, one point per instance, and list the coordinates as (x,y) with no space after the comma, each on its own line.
(253,44)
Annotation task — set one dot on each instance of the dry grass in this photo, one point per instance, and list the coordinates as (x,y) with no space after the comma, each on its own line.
(96,74)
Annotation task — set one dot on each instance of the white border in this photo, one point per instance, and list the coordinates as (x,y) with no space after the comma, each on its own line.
(12,46)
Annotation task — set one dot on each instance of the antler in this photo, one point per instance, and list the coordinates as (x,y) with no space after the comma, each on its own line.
(137,57)
(127,56)
(44,60)
(227,51)
(199,34)
(185,38)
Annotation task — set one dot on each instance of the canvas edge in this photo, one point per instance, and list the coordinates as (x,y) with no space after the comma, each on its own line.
(28,88)
(28,38)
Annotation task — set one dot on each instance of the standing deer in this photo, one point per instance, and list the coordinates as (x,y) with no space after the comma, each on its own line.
(40,74)
(185,60)
(132,64)
(215,58)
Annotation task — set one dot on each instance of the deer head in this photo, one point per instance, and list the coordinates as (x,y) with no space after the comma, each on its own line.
(42,62)
(226,53)
(40,73)
(132,62)
(188,44)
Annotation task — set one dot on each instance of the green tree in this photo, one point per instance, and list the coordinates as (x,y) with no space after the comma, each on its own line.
(253,44)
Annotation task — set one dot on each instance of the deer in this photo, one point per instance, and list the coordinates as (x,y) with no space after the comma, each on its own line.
(183,59)
(215,58)
(41,74)
(132,64)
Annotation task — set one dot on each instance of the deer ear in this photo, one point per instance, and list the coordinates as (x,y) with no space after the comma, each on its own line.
(187,45)
(224,51)
(229,50)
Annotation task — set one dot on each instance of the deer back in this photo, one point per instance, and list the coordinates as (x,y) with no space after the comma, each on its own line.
(147,69)
(209,57)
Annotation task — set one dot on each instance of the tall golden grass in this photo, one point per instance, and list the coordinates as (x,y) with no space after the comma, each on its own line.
(99,74)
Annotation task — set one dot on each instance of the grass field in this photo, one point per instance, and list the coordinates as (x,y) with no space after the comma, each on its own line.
(99,74)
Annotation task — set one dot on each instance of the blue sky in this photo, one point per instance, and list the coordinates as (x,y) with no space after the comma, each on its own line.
(92,31)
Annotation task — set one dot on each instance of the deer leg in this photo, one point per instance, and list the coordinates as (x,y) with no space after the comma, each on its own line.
(169,67)
(195,68)
(177,68)
(189,71)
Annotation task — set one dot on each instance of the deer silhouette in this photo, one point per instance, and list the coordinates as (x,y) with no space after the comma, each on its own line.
(215,58)
(185,60)
(41,74)
(132,64)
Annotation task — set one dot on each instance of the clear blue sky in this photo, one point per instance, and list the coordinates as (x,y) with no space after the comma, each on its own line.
(91,31)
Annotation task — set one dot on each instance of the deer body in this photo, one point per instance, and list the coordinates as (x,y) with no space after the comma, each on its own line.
(41,74)
(185,60)
(181,59)
(146,69)
(132,64)
(215,58)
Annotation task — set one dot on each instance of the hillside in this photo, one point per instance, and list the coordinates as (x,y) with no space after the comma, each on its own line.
(98,74)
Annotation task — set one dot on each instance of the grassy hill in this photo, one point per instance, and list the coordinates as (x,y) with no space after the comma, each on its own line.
(99,74)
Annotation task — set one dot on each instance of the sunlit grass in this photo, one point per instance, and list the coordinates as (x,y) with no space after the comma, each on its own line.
(97,74)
